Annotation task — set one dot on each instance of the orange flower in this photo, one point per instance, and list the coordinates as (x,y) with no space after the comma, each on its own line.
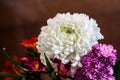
(30,43)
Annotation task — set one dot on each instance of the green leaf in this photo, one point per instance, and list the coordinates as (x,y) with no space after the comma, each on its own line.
(23,78)
(50,69)
(53,74)
(117,68)
(49,66)
(11,60)
(31,52)
(16,77)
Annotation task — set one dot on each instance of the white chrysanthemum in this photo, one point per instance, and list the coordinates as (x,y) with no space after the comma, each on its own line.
(68,37)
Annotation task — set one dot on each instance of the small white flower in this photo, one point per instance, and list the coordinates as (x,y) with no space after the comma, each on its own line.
(68,37)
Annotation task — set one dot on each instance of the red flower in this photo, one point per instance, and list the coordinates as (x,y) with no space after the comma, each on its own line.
(8,79)
(30,43)
(10,68)
(34,65)
(62,70)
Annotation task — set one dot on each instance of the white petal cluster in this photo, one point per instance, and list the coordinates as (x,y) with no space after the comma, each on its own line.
(68,37)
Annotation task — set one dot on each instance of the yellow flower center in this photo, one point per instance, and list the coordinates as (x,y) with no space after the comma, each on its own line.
(35,67)
(68,30)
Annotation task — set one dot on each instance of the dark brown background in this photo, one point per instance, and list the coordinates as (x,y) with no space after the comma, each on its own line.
(21,19)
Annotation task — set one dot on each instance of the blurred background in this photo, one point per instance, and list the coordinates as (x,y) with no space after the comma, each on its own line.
(22,19)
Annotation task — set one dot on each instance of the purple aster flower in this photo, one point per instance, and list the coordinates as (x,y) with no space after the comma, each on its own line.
(97,64)
(106,51)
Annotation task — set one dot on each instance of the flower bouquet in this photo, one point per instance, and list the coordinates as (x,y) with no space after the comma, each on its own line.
(66,49)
